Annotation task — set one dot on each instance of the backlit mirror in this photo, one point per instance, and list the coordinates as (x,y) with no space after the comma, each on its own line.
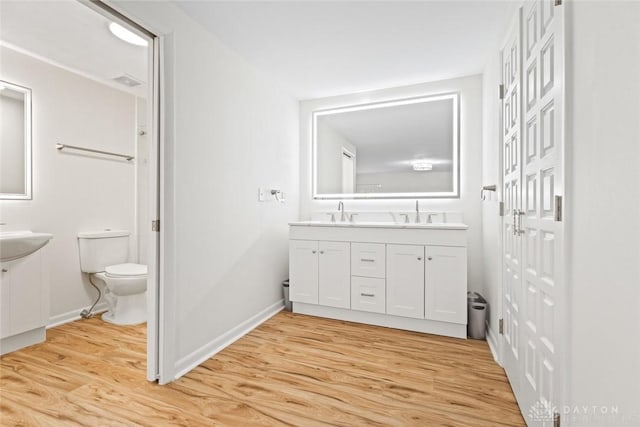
(394,149)
(15,141)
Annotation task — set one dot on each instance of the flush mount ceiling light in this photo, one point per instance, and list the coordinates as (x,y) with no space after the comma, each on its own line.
(422,166)
(126,35)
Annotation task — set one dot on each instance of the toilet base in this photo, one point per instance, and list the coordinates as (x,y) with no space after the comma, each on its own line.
(126,310)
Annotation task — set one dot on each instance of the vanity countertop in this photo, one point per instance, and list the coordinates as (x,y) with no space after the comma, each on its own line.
(382,224)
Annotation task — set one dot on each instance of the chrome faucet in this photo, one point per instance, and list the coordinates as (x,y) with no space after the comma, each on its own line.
(341,210)
(417,212)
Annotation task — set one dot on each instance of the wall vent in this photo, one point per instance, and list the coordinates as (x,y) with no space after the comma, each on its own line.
(128,80)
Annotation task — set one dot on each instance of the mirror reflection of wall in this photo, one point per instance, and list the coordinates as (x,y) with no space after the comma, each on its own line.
(392,148)
(14,141)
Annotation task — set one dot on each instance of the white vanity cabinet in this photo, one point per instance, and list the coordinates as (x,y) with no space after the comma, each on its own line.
(320,272)
(24,302)
(410,277)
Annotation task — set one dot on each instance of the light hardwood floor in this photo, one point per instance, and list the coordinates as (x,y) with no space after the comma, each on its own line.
(292,370)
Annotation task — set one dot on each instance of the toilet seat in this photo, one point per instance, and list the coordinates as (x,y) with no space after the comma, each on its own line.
(126,270)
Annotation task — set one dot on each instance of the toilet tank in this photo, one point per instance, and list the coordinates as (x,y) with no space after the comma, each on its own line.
(99,249)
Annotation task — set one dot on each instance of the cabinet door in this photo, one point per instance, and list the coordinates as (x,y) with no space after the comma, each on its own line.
(446,284)
(22,295)
(335,274)
(303,271)
(5,301)
(405,280)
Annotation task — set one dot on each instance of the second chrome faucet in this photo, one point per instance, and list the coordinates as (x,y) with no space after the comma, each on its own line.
(341,210)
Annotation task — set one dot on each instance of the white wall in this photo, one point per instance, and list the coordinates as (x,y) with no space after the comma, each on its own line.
(72,192)
(143,151)
(603,209)
(231,131)
(470,89)
(330,156)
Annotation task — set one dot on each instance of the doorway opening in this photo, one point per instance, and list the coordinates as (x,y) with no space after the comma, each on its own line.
(95,83)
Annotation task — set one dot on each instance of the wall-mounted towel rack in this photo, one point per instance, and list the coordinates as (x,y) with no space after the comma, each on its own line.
(91,150)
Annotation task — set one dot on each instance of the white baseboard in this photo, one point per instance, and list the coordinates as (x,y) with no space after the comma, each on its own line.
(205,352)
(25,339)
(493,345)
(448,329)
(72,316)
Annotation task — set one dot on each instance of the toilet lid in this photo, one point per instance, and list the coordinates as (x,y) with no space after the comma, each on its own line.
(126,270)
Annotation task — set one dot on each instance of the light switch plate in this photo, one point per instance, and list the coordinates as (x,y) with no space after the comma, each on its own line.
(261,192)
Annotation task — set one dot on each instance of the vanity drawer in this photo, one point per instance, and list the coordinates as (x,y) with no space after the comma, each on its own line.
(368,260)
(368,294)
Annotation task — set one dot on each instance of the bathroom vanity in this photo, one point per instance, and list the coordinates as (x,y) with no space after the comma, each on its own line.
(24,289)
(406,276)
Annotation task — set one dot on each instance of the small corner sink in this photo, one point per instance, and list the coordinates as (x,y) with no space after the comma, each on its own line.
(18,244)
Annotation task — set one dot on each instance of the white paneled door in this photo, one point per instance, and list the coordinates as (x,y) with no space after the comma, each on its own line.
(533,190)
(511,177)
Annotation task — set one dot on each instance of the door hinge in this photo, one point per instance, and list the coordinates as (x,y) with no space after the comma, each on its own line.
(557,215)
(501,208)
(155,225)
(501,326)
(556,419)
(557,2)
(501,91)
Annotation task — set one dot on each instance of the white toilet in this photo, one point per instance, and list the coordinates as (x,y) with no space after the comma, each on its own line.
(104,254)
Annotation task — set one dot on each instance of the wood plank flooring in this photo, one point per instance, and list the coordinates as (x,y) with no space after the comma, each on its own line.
(292,370)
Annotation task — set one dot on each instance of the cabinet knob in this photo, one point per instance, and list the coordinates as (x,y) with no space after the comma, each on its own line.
(429,258)
(4,270)
(321,252)
(419,258)
(313,252)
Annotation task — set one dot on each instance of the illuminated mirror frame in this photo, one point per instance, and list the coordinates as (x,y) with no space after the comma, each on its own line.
(454,194)
(27,144)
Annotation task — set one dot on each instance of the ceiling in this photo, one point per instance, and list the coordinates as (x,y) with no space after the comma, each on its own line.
(322,48)
(312,48)
(389,139)
(70,34)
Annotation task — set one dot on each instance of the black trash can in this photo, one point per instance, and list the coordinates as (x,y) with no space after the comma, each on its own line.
(285,290)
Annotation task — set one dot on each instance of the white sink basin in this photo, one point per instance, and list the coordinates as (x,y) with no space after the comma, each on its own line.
(382,224)
(18,244)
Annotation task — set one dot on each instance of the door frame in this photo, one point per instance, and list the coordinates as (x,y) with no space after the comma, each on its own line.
(159,366)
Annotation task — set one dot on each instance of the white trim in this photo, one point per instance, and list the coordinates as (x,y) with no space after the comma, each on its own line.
(455,330)
(73,315)
(22,340)
(492,341)
(208,350)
